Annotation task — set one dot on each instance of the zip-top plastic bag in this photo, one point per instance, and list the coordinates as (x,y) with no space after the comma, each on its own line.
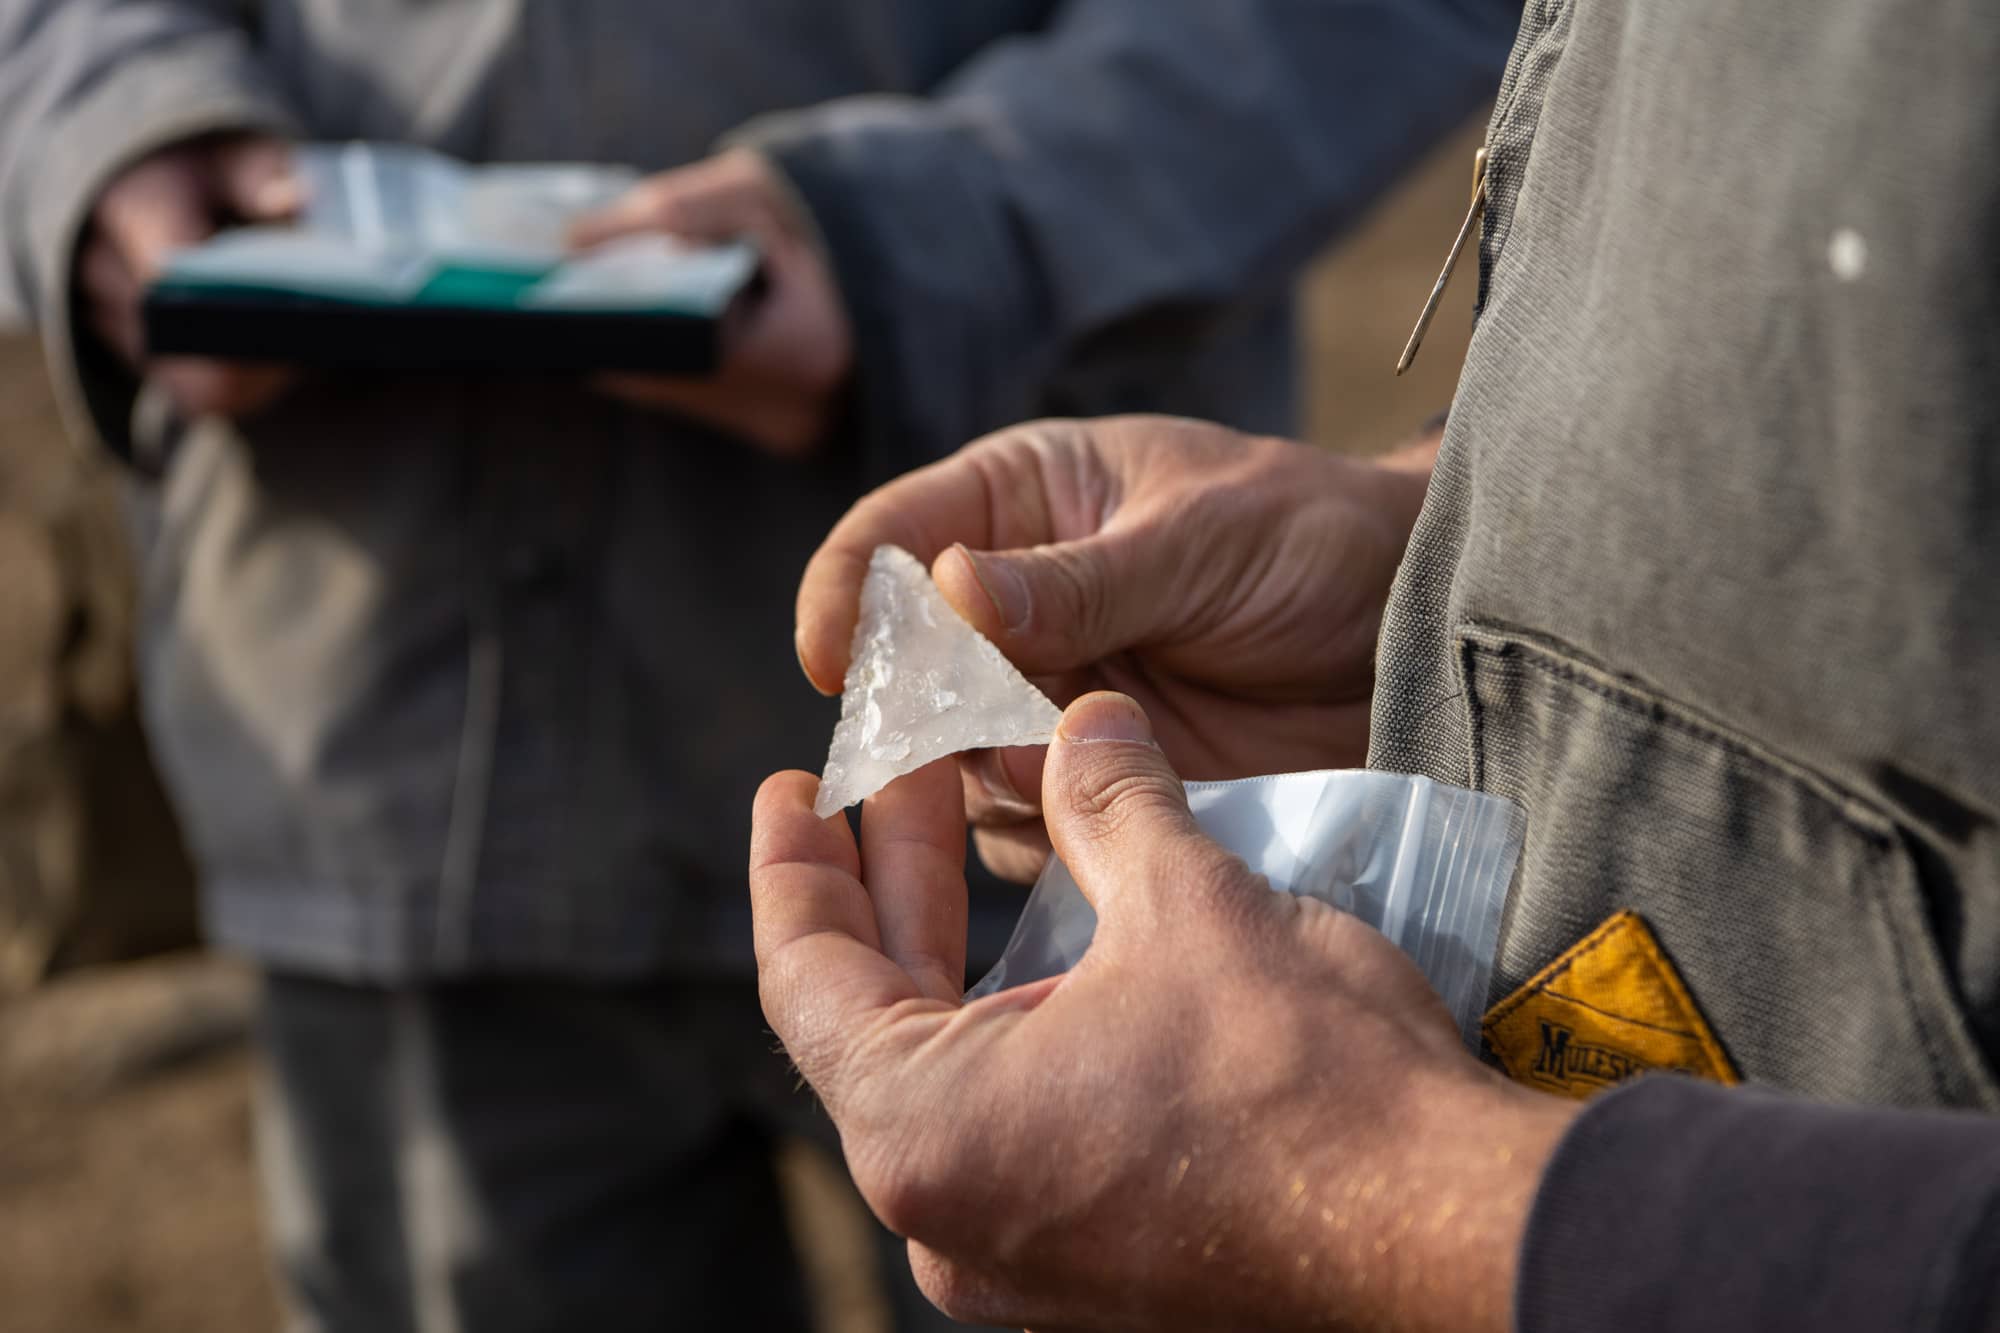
(1426,864)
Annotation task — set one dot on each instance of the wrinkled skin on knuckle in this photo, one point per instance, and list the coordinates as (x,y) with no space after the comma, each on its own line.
(1106,799)
(895,1193)
(1020,508)
(1216,883)
(1075,465)
(1049,480)
(922,1176)
(1081,597)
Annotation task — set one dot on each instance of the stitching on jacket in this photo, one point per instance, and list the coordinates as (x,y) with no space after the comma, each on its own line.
(1919,1016)
(1636,699)
(1622,1018)
(1577,953)
(1506,161)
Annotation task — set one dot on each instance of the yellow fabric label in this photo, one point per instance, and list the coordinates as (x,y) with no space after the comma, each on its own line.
(1611,1008)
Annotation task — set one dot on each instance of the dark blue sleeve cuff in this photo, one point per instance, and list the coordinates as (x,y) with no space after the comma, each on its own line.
(1676,1205)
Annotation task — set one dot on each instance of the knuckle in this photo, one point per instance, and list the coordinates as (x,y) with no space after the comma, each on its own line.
(1075,583)
(1042,436)
(1219,885)
(908,1200)
(897,1200)
(920,1173)
(1111,798)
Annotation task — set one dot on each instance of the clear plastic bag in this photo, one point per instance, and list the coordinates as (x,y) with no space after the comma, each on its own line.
(1426,864)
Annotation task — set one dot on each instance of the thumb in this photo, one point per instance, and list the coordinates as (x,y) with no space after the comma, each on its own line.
(643,208)
(1118,813)
(1057,607)
(255,181)
(702,203)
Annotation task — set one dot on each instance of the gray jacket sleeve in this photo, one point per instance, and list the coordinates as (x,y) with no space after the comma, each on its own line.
(86,88)
(1138,170)
(1673,1205)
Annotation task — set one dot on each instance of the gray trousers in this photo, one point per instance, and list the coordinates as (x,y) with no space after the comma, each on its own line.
(487,1157)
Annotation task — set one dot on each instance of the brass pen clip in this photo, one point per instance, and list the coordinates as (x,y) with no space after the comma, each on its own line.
(1473,213)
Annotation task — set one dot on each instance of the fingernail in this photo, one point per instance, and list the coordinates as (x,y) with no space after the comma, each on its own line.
(799,651)
(1004,587)
(1106,717)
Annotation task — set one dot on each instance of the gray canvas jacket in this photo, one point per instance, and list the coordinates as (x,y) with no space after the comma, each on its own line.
(1709,580)
(454,676)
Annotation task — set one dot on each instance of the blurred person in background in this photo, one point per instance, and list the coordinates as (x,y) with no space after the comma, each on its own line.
(462,685)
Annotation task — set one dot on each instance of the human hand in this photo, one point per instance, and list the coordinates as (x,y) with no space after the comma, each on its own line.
(1242,1109)
(788,357)
(172,199)
(1234,586)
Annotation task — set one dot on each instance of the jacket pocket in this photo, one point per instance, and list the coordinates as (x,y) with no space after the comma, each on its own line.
(1792,908)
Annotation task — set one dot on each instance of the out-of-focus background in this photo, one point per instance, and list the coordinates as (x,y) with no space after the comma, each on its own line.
(126,1195)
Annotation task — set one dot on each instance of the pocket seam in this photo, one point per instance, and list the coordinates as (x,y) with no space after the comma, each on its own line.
(1634,696)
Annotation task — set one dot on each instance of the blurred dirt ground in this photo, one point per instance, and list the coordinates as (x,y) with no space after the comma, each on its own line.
(126,1198)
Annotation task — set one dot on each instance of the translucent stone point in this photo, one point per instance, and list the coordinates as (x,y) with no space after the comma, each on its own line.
(922,684)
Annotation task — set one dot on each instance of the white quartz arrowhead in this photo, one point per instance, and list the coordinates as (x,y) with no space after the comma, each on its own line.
(922,684)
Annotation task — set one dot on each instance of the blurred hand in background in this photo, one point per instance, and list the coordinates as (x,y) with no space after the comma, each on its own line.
(788,356)
(174,198)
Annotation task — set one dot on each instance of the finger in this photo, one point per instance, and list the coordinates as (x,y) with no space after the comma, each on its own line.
(1017,855)
(1056,607)
(1042,482)
(1008,830)
(805,872)
(701,202)
(639,209)
(255,179)
(1003,787)
(913,864)
(1118,814)
(821,973)
(986,494)
(156,208)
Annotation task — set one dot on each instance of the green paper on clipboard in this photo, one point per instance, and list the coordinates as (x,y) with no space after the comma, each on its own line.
(405,259)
